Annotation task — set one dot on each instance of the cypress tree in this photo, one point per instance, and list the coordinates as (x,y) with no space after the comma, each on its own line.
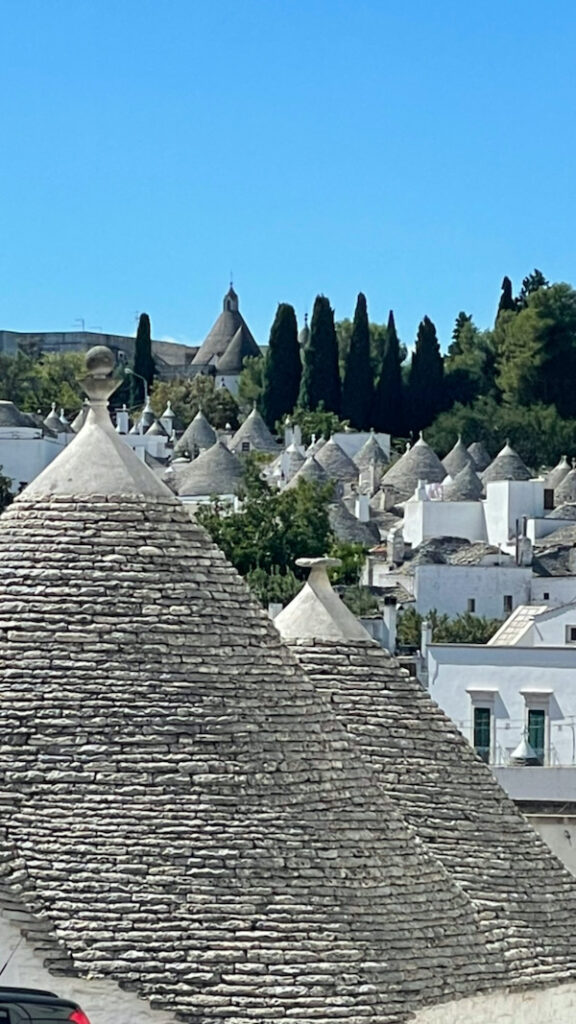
(507,300)
(283,367)
(388,403)
(320,375)
(426,380)
(358,380)
(143,361)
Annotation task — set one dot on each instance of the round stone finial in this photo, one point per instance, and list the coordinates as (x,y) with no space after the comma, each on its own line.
(100,361)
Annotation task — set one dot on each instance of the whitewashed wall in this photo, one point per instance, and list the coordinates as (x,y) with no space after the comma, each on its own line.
(102,1001)
(448,588)
(507,501)
(508,676)
(551,1005)
(424,519)
(23,457)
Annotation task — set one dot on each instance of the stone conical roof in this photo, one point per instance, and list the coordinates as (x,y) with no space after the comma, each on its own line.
(565,492)
(480,456)
(346,527)
(554,478)
(337,465)
(52,421)
(10,416)
(371,454)
(254,432)
(466,486)
(447,794)
(174,791)
(310,470)
(315,446)
(506,466)
(80,417)
(216,470)
(240,347)
(457,458)
(222,332)
(197,436)
(418,463)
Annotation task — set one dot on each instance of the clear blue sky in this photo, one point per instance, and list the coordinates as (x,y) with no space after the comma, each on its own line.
(416,151)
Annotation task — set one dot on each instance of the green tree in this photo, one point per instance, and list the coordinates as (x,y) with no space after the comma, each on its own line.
(320,374)
(462,629)
(6,495)
(251,382)
(532,283)
(283,367)
(536,350)
(187,395)
(316,423)
(426,395)
(33,384)
(469,367)
(388,400)
(143,366)
(358,381)
(377,342)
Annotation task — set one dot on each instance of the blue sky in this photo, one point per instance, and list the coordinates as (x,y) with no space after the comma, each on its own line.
(416,151)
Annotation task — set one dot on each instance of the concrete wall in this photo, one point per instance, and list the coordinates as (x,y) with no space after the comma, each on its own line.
(553,590)
(102,1001)
(507,501)
(555,1004)
(424,519)
(448,588)
(509,680)
(24,457)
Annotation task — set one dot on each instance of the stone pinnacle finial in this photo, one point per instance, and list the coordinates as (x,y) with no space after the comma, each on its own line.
(99,383)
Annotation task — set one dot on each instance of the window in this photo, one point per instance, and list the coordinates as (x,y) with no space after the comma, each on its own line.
(546,595)
(571,634)
(507,604)
(548,498)
(471,605)
(537,732)
(482,732)
(245,446)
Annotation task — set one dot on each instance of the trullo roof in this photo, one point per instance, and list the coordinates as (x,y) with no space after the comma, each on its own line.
(556,475)
(335,462)
(179,805)
(506,466)
(480,456)
(447,794)
(457,458)
(215,471)
(222,332)
(199,434)
(418,463)
(253,431)
(466,486)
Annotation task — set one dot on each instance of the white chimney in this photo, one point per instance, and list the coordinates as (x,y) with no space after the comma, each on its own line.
(122,420)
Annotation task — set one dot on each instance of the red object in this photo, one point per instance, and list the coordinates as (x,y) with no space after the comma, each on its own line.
(78,1017)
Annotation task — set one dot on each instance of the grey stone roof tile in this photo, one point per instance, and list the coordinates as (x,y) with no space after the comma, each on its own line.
(336,464)
(480,456)
(254,432)
(215,471)
(506,466)
(199,434)
(457,459)
(418,463)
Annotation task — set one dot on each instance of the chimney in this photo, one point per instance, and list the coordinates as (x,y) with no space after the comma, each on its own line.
(122,420)
(389,613)
(362,508)
(425,637)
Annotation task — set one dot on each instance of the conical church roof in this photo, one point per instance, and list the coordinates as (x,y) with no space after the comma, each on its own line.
(447,794)
(480,456)
(457,458)
(506,466)
(556,475)
(215,471)
(337,465)
(466,486)
(199,434)
(241,346)
(253,432)
(222,332)
(418,463)
(180,804)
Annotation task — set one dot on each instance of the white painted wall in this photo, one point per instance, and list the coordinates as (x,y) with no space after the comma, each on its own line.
(434,518)
(507,501)
(559,832)
(555,1004)
(102,1001)
(553,590)
(448,588)
(510,679)
(25,453)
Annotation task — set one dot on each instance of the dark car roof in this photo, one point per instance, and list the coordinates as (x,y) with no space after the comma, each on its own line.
(34,995)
